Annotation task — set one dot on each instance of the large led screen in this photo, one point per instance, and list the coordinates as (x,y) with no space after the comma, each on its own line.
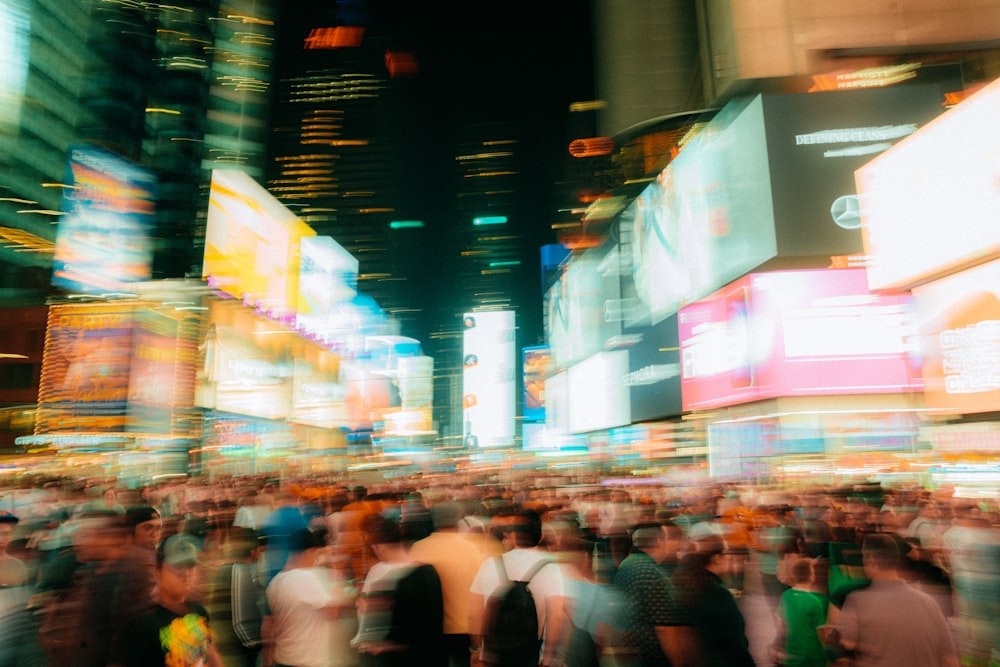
(796,333)
(958,318)
(488,393)
(707,219)
(815,142)
(653,380)
(598,397)
(537,365)
(108,209)
(930,205)
(252,244)
(328,275)
(85,380)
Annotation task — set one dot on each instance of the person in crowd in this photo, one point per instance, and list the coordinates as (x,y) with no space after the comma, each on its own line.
(13,571)
(305,609)
(890,623)
(720,630)
(277,529)
(972,557)
(235,598)
(657,629)
(775,540)
(401,610)
(456,557)
(176,632)
(801,611)
(251,511)
(144,532)
(520,532)
(84,620)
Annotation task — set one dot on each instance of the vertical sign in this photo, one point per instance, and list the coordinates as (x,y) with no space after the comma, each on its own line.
(488,379)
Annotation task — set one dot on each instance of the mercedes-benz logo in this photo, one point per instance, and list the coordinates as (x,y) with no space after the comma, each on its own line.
(846,212)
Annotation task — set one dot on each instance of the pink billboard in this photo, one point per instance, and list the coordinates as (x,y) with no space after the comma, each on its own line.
(796,333)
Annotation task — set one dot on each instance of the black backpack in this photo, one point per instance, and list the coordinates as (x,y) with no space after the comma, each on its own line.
(510,622)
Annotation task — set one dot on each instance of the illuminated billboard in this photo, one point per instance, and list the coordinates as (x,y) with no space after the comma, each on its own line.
(537,365)
(488,392)
(929,205)
(328,275)
(162,383)
(796,333)
(318,398)
(103,243)
(85,377)
(958,318)
(252,244)
(239,377)
(15,28)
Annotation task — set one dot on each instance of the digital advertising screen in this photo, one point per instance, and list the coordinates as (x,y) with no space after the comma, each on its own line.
(164,363)
(239,377)
(328,275)
(816,141)
(796,333)
(653,378)
(577,318)
(929,206)
(598,397)
(108,210)
(252,244)
(538,365)
(85,379)
(488,386)
(708,217)
(318,398)
(958,318)
(15,25)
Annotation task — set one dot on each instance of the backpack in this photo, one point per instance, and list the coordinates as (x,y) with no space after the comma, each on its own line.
(510,622)
(580,648)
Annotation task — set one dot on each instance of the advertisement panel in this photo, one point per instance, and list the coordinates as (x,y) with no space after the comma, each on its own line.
(162,382)
(85,375)
(252,244)
(653,380)
(598,397)
(240,378)
(328,275)
(488,392)
(318,399)
(815,142)
(796,333)
(958,318)
(538,365)
(929,205)
(108,205)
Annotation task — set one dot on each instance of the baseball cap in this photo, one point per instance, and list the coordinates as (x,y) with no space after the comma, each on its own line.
(177,551)
(140,514)
(7,517)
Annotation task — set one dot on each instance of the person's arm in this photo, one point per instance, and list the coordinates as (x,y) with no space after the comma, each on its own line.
(212,656)
(677,643)
(555,607)
(267,641)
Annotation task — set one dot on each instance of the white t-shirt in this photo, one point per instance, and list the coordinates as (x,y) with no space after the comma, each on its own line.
(303,632)
(547,583)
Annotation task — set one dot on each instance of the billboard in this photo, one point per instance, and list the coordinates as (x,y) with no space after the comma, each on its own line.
(537,365)
(252,244)
(488,393)
(328,275)
(108,209)
(85,377)
(958,319)
(796,333)
(162,382)
(929,205)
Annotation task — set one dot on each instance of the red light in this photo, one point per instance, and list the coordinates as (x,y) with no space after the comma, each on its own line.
(339,37)
(591,147)
(401,63)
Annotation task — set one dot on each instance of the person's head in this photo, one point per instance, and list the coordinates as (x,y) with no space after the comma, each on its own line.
(519,530)
(651,539)
(881,555)
(802,572)
(176,570)
(145,525)
(7,523)
(446,515)
(99,536)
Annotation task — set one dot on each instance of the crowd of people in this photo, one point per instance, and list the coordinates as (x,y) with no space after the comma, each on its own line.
(249,572)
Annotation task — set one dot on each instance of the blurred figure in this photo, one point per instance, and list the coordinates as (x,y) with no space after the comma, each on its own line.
(657,628)
(84,620)
(176,630)
(277,529)
(710,608)
(801,611)
(18,644)
(889,623)
(305,609)
(252,511)
(456,557)
(972,552)
(144,531)
(594,611)
(400,611)
(235,601)
(520,532)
